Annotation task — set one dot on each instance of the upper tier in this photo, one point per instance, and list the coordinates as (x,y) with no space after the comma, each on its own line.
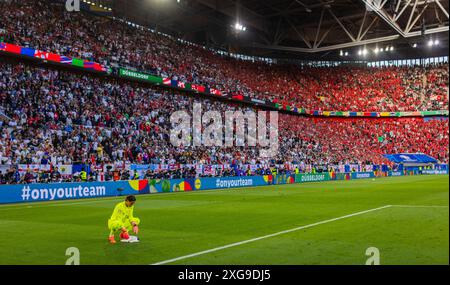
(112,42)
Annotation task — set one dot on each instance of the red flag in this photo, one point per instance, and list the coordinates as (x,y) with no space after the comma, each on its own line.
(52,57)
(215,92)
(98,67)
(198,88)
(238,97)
(13,48)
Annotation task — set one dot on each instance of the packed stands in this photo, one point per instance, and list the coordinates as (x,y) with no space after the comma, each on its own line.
(334,89)
(52,117)
(59,117)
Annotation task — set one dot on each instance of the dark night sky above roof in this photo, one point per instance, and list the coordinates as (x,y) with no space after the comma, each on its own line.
(290,23)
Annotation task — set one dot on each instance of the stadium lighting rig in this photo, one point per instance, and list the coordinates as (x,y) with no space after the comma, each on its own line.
(363,52)
(100,5)
(376,50)
(239,27)
(433,43)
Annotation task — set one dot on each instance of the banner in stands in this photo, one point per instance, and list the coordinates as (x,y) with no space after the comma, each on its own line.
(211,91)
(410,158)
(140,76)
(23,168)
(4,168)
(64,191)
(30,52)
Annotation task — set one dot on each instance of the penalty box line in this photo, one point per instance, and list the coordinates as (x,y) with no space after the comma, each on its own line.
(270,235)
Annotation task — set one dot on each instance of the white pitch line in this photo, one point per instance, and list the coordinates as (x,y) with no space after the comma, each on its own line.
(419,206)
(269,236)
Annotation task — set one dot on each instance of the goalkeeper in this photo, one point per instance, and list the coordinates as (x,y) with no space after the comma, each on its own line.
(122,220)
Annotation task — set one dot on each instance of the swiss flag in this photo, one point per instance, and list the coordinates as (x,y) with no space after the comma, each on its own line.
(238,97)
(52,57)
(215,91)
(39,54)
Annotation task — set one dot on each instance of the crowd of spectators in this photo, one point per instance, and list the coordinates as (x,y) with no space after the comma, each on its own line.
(362,141)
(53,117)
(58,117)
(114,43)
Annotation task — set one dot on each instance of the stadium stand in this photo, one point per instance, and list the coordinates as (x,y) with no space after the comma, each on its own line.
(343,89)
(60,117)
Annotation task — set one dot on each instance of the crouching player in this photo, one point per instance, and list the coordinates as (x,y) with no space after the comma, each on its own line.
(122,220)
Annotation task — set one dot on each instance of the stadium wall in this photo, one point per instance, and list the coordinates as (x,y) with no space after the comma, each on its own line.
(24,193)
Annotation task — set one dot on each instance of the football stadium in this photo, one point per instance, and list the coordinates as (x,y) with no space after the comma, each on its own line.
(232,132)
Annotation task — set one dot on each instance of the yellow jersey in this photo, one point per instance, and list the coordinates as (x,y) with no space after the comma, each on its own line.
(123,213)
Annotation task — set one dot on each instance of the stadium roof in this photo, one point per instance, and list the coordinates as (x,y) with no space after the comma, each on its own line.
(305,29)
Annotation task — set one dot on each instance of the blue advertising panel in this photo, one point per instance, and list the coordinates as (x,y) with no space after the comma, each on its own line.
(434,172)
(64,191)
(363,175)
(395,173)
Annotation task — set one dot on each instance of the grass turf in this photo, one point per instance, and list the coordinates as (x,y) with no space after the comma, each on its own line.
(179,224)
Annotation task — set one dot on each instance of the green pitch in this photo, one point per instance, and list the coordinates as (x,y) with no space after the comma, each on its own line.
(324,231)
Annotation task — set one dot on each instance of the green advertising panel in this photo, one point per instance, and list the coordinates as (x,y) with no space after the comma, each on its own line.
(308,177)
(140,75)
